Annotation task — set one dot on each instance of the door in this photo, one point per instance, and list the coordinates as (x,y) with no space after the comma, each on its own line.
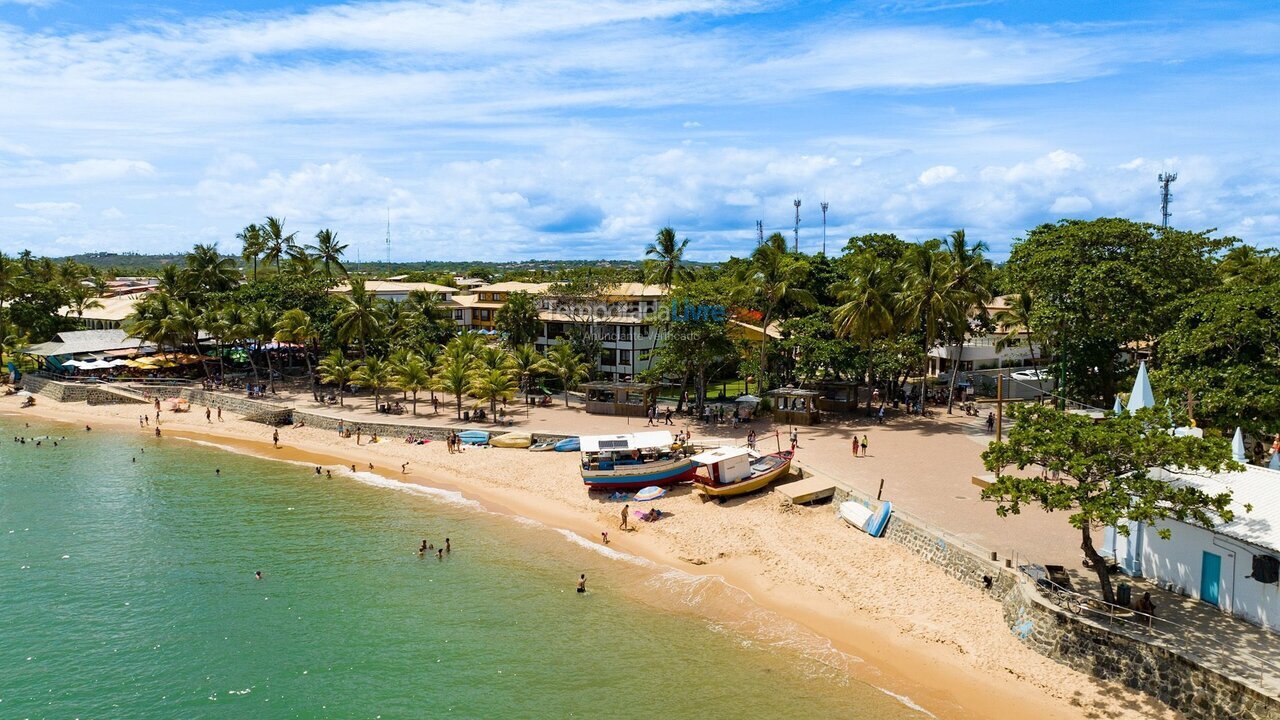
(1210,575)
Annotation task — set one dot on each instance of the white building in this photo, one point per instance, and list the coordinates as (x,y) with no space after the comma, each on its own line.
(1215,566)
(398,291)
(621,321)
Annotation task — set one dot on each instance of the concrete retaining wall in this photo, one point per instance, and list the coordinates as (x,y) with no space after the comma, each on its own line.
(60,391)
(107,395)
(397,430)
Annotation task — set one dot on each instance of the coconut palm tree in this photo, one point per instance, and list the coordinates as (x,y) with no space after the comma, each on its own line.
(868,309)
(208,271)
(235,325)
(566,365)
(295,326)
(374,373)
(361,317)
(772,276)
(493,384)
(276,243)
(252,246)
(260,323)
(970,287)
(412,376)
(928,294)
(518,318)
(493,357)
(79,299)
(336,369)
(454,377)
(526,363)
(668,253)
(329,251)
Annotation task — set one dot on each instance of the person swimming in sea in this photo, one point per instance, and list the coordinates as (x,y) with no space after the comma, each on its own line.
(440,553)
(422,549)
(447,547)
(582,583)
(257,575)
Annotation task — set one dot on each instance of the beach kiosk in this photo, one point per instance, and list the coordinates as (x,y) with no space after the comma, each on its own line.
(616,397)
(795,407)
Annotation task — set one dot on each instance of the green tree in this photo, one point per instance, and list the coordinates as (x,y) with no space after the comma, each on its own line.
(1103,473)
(493,384)
(1103,284)
(518,319)
(413,375)
(260,324)
(375,374)
(1224,349)
(208,271)
(667,253)
(527,364)
(360,318)
(566,365)
(336,369)
(329,251)
(294,326)
(454,377)
(771,277)
(971,291)
(252,246)
(276,242)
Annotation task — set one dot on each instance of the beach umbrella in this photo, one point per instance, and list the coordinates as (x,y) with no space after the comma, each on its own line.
(653,492)
(73,363)
(1141,397)
(1118,409)
(747,399)
(96,365)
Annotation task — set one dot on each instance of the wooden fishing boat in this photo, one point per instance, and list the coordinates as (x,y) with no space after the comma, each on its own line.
(474,437)
(543,446)
(617,462)
(728,471)
(512,440)
(572,444)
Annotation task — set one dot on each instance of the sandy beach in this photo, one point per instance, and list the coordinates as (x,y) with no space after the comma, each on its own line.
(920,633)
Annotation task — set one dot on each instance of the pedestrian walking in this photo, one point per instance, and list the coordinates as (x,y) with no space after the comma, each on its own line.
(208,414)
(275,438)
(864,446)
(795,439)
(855,446)
(219,414)
(751,439)
(625,510)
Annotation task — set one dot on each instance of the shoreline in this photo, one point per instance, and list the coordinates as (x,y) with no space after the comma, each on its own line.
(919,634)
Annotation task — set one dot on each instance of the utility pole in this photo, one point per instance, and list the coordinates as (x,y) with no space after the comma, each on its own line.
(824,206)
(797,204)
(1165,180)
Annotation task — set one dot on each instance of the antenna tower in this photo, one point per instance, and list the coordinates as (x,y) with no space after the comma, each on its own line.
(797,204)
(388,240)
(824,206)
(1165,180)
(759,232)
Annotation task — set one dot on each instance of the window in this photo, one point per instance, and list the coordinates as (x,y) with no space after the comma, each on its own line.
(624,333)
(457,314)
(484,314)
(624,357)
(608,356)
(644,331)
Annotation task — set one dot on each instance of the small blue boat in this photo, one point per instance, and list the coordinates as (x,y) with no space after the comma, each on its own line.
(572,444)
(474,437)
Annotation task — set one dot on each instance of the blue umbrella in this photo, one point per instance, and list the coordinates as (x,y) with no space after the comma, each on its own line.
(653,492)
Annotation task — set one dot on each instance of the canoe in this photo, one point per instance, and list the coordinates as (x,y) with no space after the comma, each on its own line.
(634,477)
(512,440)
(572,444)
(474,437)
(543,446)
(864,518)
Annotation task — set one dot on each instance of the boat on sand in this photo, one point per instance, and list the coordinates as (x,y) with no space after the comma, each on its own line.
(512,440)
(636,460)
(728,471)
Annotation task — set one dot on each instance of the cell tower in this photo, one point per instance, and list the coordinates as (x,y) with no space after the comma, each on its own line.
(759,232)
(797,204)
(824,206)
(388,240)
(1165,180)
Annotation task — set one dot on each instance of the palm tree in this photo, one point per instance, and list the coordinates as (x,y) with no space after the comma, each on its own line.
(668,252)
(376,374)
(971,290)
(492,357)
(276,243)
(563,363)
(868,308)
(295,326)
(208,271)
(493,384)
(261,326)
(329,252)
(413,376)
(1016,320)
(771,277)
(302,265)
(79,299)
(235,325)
(927,291)
(252,246)
(336,369)
(518,318)
(455,377)
(8,271)
(360,318)
(527,364)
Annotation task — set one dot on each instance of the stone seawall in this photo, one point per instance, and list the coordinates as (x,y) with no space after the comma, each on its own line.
(254,410)
(107,395)
(60,391)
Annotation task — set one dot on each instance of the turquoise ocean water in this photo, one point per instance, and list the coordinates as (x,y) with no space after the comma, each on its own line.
(127,591)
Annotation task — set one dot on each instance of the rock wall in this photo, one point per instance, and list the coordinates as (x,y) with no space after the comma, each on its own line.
(254,410)
(60,391)
(1179,682)
(107,395)
(390,429)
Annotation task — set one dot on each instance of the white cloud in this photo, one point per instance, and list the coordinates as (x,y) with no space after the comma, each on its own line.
(692,124)
(96,169)
(938,174)
(1071,205)
(49,208)
(112,213)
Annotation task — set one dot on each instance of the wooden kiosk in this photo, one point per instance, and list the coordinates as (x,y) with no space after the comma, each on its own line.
(628,399)
(795,407)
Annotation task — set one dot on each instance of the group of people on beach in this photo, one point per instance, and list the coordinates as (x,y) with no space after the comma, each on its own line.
(859,445)
(454,442)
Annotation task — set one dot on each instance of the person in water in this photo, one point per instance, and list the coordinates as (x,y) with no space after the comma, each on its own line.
(257,575)
(217,472)
(440,554)
(422,549)
(447,547)
(582,583)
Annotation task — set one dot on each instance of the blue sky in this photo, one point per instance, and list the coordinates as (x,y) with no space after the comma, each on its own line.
(577,128)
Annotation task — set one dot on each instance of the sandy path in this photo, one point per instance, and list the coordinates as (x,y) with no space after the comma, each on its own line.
(922,634)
